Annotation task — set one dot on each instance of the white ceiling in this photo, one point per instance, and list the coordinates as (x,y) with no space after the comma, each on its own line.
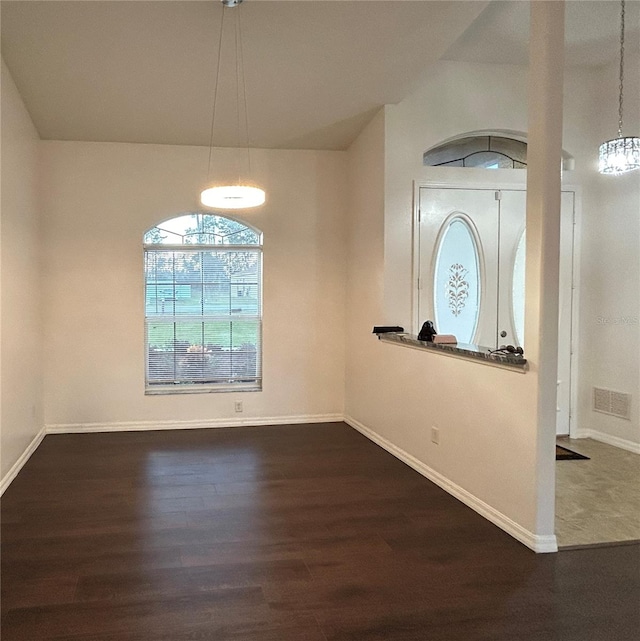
(316,71)
(592,33)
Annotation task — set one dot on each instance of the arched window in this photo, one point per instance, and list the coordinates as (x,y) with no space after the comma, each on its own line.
(203,305)
(488,152)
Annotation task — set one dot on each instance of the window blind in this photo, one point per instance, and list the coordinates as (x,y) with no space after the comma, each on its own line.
(203,317)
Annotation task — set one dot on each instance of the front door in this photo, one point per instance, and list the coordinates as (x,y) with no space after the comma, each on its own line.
(472,266)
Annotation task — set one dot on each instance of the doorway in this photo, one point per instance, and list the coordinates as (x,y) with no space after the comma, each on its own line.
(471,264)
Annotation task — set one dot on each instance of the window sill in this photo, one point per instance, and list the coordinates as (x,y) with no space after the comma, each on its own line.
(158,390)
(465,351)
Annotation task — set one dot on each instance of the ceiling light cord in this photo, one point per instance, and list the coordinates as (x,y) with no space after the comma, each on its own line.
(238,98)
(240,192)
(621,69)
(620,155)
(244,93)
(215,94)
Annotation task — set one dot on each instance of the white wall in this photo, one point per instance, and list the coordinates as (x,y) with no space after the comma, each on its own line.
(100,198)
(21,342)
(397,393)
(609,340)
(486,415)
(365,250)
(455,98)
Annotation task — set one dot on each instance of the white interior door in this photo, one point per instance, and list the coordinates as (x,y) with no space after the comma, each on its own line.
(471,272)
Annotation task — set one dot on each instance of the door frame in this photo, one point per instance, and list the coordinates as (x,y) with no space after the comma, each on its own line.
(518,185)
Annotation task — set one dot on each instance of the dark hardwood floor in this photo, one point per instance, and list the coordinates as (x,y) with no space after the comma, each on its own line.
(288,533)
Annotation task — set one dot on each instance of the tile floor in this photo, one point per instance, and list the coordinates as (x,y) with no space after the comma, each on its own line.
(597,501)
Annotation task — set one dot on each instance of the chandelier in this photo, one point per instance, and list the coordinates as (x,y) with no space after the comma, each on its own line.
(242,193)
(622,154)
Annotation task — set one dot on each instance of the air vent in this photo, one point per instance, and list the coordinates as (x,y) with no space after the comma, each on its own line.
(610,402)
(602,400)
(621,405)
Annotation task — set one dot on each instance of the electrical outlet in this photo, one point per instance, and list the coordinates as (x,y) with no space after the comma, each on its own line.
(435,435)
(238,406)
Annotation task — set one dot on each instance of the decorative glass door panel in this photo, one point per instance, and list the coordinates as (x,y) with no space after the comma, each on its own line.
(456,295)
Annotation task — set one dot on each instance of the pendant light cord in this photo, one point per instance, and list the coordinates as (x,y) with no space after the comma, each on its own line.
(621,68)
(238,98)
(215,93)
(239,194)
(244,92)
(621,155)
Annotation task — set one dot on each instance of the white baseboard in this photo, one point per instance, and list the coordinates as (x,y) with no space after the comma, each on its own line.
(603,437)
(141,426)
(19,464)
(538,543)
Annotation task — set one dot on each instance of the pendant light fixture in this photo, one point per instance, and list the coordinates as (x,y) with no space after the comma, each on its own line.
(622,154)
(241,193)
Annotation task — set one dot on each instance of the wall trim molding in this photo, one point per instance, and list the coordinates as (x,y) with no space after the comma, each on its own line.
(538,543)
(603,437)
(142,426)
(19,464)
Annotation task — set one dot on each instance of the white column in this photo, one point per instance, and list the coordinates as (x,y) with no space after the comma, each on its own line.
(544,155)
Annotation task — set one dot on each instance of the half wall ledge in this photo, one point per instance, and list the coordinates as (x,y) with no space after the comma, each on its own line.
(465,351)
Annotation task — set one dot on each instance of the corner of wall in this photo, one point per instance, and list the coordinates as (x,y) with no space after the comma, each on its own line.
(21,398)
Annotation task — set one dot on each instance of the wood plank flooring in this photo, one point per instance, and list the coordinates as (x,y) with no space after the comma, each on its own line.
(287,533)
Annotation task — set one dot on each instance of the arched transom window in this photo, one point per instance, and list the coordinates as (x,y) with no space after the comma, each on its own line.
(203,305)
(488,152)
